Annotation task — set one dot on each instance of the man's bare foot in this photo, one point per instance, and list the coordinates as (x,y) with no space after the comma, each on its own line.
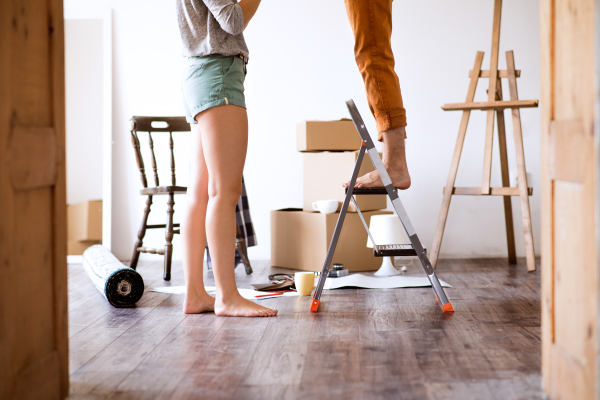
(394,160)
(372,180)
(198,303)
(237,306)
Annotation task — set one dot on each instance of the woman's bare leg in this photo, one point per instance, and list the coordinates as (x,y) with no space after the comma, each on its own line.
(224,131)
(193,230)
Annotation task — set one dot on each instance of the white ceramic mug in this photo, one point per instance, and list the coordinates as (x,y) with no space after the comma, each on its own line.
(304,282)
(326,206)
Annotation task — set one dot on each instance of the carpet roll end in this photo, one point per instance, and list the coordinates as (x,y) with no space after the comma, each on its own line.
(121,286)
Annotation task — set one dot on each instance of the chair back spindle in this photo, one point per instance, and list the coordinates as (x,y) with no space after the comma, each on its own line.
(154,168)
(171,145)
(138,155)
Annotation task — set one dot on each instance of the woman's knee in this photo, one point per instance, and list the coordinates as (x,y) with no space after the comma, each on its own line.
(229,193)
(197,196)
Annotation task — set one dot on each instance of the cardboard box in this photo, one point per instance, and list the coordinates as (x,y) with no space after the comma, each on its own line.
(324,174)
(84,221)
(327,136)
(76,247)
(299,240)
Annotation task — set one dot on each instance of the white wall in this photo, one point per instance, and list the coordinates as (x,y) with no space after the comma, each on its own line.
(84,108)
(302,67)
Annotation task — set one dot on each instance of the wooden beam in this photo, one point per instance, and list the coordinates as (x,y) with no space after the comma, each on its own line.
(490,105)
(502,73)
(494,191)
(548,66)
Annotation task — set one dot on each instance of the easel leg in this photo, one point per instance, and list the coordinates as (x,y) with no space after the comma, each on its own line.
(441,224)
(520,155)
(508,214)
(523,192)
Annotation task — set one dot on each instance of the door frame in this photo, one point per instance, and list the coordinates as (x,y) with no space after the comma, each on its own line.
(104,13)
(597,178)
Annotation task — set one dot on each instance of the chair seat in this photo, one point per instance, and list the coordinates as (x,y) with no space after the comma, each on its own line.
(164,190)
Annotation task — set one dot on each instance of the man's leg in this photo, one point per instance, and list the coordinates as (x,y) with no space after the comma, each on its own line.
(371,22)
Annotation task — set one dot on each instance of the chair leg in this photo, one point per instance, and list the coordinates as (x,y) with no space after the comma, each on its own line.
(169,237)
(208,259)
(141,233)
(240,246)
(243,252)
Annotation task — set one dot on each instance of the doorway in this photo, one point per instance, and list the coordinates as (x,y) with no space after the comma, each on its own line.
(88,84)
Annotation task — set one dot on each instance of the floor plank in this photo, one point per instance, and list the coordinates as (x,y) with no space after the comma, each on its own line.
(363,344)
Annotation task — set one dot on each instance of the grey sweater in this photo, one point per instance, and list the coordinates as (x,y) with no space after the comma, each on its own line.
(211,27)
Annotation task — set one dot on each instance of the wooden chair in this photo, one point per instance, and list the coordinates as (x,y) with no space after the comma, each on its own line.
(173,124)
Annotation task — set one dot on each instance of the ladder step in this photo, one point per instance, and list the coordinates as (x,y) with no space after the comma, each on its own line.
(394,250)
(364,191)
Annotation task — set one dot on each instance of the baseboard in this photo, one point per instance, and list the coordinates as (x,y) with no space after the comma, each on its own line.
(74,259)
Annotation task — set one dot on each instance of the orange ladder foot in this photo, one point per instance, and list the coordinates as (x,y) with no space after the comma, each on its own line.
(314,305)
(447,307)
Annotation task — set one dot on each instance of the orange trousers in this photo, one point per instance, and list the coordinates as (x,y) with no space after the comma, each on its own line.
(371,22)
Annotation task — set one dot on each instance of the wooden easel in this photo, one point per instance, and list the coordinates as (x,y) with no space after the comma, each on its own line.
(495,108)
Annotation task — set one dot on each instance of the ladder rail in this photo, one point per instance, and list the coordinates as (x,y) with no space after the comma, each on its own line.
(336,233)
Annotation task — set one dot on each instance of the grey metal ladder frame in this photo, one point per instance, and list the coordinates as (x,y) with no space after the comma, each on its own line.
(416,248)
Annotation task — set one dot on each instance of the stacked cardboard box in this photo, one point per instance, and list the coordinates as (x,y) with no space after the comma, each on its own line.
(84,226)
(300,237)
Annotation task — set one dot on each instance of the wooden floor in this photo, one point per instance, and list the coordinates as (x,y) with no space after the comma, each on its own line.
(363,344)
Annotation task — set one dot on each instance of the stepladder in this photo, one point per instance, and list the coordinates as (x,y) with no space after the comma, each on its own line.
(494,107)
(415,248)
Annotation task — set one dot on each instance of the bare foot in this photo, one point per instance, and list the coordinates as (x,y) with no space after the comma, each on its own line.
(394,160)
(400,178)
(237,306)
(196,304)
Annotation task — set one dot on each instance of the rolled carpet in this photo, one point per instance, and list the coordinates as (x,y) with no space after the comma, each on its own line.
(122,286)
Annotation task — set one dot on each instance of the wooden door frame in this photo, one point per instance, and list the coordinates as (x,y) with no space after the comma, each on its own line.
(45,372)
(597,178)
(547,78)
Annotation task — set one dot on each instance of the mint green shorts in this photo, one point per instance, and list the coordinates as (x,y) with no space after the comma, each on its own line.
(212,81)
